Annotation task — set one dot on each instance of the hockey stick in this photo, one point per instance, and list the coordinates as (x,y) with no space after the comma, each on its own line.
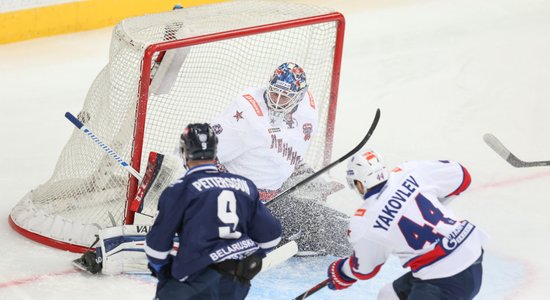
(501,150)
(279,255)
(312,290)
(334,163)
(168,35)
(101,144)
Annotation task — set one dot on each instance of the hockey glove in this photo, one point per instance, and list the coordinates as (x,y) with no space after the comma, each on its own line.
(337,279)
(162,273)
(161,270)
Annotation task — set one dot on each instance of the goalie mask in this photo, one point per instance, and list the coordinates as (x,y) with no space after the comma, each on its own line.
(198,142)
(366,167)
(287,87)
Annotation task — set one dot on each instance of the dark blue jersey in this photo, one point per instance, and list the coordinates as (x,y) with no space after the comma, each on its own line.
(217,216)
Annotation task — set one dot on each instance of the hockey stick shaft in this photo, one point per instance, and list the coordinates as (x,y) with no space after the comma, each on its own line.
(312,290)
(76,122)
(495,144)
(334,163)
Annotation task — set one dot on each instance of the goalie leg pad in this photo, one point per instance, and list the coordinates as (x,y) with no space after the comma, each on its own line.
(318,229)
(122,249)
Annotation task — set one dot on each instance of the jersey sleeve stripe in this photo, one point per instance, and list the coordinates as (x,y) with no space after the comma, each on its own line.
(359,275)
(426,259)
(466,180)
(156,254)
(270,244)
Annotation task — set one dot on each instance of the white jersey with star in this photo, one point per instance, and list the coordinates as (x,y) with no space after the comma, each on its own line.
(406,218)
(251,146)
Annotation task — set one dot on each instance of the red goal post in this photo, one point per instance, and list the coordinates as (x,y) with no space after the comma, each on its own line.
(212,52)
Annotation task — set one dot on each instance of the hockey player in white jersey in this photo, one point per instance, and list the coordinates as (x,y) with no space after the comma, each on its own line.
(264,135)
(266,131)
(403,215)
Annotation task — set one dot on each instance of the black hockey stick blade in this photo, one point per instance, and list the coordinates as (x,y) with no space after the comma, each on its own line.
(312,290)
(334,163)
(495,144)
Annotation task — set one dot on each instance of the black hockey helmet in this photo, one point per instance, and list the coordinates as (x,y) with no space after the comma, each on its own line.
(198,142)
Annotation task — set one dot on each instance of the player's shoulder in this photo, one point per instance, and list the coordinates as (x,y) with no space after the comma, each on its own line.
(175,190)
(426,166)
(307,110)
(310,101)
(251,101)
(240,183)
(235,176)
(360,221)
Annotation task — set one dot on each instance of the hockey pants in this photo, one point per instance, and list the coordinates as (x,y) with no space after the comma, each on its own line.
(462,286)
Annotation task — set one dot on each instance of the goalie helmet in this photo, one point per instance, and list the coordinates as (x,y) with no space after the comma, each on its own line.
(287,87)
(198,142)
(368,168)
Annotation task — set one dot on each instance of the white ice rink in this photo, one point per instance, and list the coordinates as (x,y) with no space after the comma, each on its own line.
(442,72)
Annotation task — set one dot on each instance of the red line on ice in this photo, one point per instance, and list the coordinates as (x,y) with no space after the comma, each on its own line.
(511,181)
(34,278)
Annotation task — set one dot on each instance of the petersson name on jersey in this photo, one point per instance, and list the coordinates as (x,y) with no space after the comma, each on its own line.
(221,182)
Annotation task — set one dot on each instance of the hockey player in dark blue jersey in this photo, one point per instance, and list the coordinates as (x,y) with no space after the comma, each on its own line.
(222,227)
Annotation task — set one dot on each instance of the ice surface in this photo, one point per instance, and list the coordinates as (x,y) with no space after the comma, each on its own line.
(443,73)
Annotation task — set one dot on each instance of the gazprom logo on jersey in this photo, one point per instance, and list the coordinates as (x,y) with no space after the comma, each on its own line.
(105,147)
(455,238)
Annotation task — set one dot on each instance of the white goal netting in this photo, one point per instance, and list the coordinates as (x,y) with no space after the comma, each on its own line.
(215,51)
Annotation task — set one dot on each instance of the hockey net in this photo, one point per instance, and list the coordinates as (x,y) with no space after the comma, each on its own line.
(218,50)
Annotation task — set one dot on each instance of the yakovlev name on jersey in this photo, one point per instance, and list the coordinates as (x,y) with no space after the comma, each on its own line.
(393,206)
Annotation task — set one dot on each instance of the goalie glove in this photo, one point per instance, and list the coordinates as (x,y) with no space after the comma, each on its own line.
(337,279)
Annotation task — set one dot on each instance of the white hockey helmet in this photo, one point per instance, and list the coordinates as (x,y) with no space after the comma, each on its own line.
(366,167)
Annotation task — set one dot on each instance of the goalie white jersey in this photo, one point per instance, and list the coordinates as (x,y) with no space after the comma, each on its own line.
(405,217)
(266,152)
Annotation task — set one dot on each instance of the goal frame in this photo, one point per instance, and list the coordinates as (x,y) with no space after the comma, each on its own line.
(151,50)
